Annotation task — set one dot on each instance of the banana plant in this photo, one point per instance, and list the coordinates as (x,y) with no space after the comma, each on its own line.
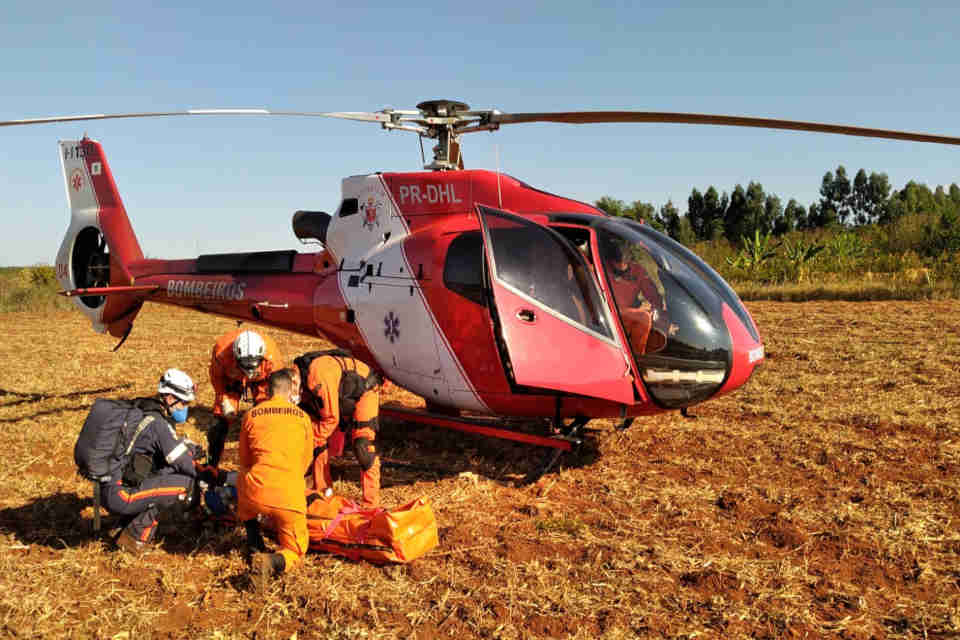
(799,255)
(755,252)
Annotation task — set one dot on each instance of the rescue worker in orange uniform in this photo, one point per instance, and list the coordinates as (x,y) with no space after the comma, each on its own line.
(340,391)
(240,364)
(276,450)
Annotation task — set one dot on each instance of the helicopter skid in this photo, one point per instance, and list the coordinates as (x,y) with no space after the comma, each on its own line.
(476,426)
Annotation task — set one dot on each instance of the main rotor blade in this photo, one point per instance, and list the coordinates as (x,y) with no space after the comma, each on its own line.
(592,117)
(370,117)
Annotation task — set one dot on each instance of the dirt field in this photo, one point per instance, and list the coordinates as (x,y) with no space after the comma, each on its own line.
(822,500)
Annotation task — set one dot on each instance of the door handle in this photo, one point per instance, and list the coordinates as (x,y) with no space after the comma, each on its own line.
(526,315)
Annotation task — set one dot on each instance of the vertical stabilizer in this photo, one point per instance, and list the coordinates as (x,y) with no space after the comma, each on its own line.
(99,243)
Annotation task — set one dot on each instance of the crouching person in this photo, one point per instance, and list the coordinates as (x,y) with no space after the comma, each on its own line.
(157,477)
(276,449)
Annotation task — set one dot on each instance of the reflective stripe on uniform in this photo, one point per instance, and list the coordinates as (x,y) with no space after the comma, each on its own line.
(149,493)
(177,451)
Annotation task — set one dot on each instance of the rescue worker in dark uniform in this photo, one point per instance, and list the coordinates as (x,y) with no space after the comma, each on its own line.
(240,364)
(340,391)
(159,478)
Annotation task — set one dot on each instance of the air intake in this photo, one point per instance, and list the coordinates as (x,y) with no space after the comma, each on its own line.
(311,225)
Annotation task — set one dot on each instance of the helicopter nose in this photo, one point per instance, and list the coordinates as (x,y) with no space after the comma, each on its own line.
(746,354)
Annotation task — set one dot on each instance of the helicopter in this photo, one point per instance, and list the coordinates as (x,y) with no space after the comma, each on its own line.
(490,298)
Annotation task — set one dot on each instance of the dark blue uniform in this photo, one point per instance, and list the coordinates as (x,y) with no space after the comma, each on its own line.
(168,485)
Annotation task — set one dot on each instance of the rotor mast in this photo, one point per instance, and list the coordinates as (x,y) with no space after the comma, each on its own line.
(441,118)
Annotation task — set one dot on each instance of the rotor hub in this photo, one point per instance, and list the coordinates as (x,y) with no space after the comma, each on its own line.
(442,108)
(442,118)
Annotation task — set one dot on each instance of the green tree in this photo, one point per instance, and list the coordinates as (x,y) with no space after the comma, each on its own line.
(671,218)
(772,213)
(611,206)
(735,216)
(641,211)
(794,217)
(944,235)
(835,194)
(860,199)
(714,210)
(756,209)
(668,220)
(912,199)
(696,209)
(878,193)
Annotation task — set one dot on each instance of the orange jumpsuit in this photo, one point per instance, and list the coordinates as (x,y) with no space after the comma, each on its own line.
(276,449)
(322,392)
(230,383)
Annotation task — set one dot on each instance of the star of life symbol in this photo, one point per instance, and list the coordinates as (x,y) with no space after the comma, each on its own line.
(76,180)
(391,327)
(371,213)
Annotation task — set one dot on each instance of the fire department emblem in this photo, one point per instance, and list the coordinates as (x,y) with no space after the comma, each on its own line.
(76,180)
(371,213)
(391,328)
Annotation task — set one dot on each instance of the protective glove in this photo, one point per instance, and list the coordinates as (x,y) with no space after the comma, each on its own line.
(210,475)
(196,451)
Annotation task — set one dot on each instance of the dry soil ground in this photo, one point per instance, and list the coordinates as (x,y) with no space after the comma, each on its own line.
(822,500)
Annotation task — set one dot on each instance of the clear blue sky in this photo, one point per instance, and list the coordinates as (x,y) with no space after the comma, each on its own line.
(204,185)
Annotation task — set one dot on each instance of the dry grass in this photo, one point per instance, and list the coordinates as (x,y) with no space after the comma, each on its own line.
(820,501)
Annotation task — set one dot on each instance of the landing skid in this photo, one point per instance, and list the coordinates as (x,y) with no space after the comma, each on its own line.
(565,437)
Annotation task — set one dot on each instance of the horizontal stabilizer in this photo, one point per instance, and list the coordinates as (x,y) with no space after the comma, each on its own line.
(108,291)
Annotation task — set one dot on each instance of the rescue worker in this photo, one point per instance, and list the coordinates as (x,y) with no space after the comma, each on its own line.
(340,391)
(240,364)
(159,480)
(276,447)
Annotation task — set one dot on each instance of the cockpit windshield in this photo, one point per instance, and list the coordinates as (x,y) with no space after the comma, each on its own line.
(671,309)
(540,265)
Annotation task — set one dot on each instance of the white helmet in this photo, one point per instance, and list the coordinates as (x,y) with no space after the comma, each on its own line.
(178,384)
(249,349)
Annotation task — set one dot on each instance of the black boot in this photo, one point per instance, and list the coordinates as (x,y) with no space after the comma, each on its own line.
(254,537)
(130,544)
(265,566)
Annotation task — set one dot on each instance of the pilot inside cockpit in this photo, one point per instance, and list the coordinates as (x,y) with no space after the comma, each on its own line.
(634,279)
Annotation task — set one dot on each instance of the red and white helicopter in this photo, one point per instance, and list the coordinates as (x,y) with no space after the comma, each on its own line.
(468,287)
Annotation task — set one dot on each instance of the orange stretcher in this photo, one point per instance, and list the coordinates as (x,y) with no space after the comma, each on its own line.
(340,526)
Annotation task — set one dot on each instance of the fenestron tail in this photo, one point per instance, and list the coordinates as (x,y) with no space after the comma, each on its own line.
(100,243)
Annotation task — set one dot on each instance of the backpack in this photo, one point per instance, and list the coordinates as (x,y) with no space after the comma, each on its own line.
(107,437)
(352,384)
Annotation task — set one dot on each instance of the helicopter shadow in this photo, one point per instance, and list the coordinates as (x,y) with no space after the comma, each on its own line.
(21,398)
(413,452)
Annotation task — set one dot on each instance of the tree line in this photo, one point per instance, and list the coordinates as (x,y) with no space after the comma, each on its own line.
(746,212)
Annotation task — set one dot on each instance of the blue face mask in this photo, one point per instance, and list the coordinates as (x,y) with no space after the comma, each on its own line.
(179,415)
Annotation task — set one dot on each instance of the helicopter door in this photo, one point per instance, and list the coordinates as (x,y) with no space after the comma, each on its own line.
(553,321)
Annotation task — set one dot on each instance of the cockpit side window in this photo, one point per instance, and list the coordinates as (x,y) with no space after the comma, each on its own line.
(463,267)
(543,266)
(578,237)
